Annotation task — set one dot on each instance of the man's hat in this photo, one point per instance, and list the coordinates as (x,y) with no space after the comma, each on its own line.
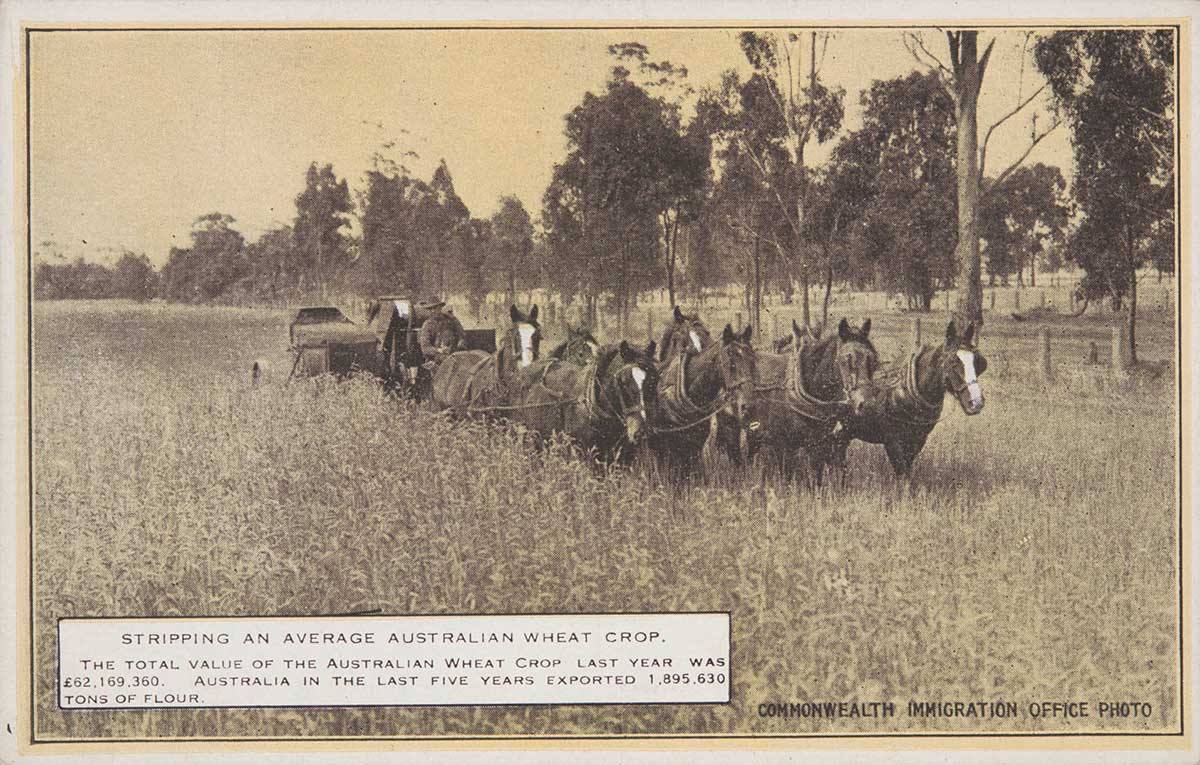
(430,303)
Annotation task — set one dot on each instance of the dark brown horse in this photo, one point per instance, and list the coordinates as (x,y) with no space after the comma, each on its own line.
(685,334)
(804,397)
(692,388)
(476,382)
(905,403)
(580,347)
(602,405)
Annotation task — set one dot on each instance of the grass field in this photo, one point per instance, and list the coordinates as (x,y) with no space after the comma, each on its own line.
(1034,557)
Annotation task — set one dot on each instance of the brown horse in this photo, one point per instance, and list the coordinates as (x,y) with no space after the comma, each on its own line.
(692,388)
(602,405)
(580,347)
(685,334)
(905,403)
(476,382)
(804,397)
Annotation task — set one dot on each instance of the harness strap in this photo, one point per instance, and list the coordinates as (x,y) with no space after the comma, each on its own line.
(800,400)
(909,405)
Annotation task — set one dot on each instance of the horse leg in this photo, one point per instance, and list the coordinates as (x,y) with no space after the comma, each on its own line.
(838,458)
(900,454)
(816,464)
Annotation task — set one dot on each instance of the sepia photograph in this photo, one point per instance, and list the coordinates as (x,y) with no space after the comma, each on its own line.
(594,381)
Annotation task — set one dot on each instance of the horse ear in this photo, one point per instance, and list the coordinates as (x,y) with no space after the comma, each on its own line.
(844,329)
(533,315)
(650,348)
(727,336)
(866,328)
(516,316)
(747,332)
(796,331)
(628,355)
(951,333)
(678,315)
(970,333)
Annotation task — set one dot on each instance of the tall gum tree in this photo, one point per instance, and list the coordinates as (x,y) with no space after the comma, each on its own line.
(1116,88)
(779,110)
(963,79)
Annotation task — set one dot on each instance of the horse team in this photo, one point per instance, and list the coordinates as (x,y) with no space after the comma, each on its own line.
(805,401)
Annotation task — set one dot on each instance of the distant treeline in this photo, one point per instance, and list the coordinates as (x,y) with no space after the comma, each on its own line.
(132,277)
(653,194)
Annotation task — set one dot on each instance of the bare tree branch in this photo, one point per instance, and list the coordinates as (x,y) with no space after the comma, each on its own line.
(762,169)
(952,38)
(983,60)
(987,136)
(1000,179)
(742,226)
(923,56)
(824,44)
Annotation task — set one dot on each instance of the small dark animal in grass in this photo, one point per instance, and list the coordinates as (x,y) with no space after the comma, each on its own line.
(692,388)
(803,397)
(580,347)
(685,334)
(602,405)
(905,402)
(475,382)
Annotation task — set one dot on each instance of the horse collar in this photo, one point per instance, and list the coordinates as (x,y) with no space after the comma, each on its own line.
(912,391)
(806,404)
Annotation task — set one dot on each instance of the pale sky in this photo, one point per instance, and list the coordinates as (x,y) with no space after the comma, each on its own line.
(135,134)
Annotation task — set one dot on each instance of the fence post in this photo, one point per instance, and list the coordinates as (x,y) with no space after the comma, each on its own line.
(774,327)
(992,301)
(1047,365)
(1017,300)
(916,333)
(947,293)
(1119,340)
(1042,298)
(649,324)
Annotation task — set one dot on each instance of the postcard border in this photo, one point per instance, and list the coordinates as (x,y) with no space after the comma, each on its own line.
(1180,739)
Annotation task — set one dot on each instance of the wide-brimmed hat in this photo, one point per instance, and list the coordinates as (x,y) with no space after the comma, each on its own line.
(430,303)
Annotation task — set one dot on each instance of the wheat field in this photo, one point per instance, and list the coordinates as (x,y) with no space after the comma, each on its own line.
(1034,556)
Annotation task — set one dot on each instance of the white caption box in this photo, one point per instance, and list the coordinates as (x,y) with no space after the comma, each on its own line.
(394,661)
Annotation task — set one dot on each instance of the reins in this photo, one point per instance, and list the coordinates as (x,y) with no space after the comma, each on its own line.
(699,413)
(797,399)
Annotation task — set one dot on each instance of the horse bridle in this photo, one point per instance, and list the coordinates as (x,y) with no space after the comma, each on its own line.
(622,411)
(847,372)
(947,366)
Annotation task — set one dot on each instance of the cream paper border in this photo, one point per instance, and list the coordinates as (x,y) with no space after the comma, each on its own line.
(14,393)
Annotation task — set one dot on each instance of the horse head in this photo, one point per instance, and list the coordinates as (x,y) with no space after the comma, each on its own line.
(579,348)
(845,362)
(524,337)
(628,389)
(737,364)
(961,365)
(685,334)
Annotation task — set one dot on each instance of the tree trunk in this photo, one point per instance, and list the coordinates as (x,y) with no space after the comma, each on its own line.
(804,309)
(1032,266)
(1132,318)
(756,309)
(828,289)
(672,236)
(968,77)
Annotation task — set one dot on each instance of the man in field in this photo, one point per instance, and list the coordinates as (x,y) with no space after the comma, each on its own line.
(441,333)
